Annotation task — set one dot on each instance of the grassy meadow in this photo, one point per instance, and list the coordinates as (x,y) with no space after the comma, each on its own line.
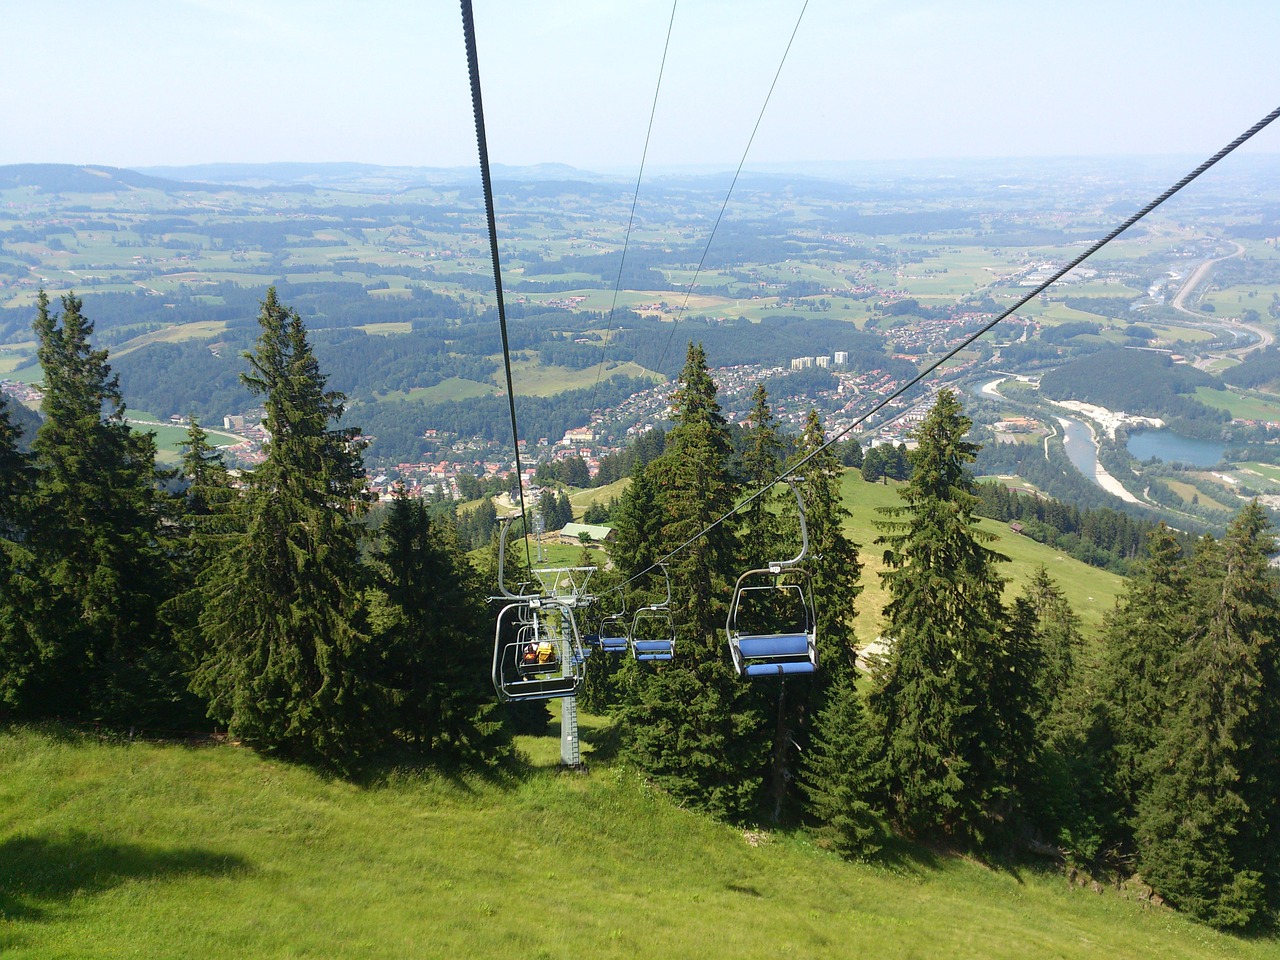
(115,849)
(1090,590)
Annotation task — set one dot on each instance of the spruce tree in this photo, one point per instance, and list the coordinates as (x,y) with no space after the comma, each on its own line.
(432,638)
(208,514)
(288,660)
(637,526)
(1067,798)
(1203,835)
(758,524)
(932,703)
(17,652)
(688,724)
(100,564)
(15,475)
(833,569)
(834,561)
(837,775)
(1141,638)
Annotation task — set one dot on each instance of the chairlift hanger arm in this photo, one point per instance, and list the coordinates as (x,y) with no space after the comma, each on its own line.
(777,566)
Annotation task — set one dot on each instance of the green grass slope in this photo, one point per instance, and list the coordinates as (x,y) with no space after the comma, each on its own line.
(1090,590)
(138,850)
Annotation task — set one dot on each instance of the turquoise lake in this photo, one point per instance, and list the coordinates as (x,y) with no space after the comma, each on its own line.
(1174,448)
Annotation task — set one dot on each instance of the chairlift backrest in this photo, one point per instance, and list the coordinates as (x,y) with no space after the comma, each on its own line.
(769,649)
(653,634)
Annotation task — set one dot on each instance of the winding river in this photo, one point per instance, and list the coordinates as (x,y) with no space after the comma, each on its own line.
(1078,441)
(1080,447)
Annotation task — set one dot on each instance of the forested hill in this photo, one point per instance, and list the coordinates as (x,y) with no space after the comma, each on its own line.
(1139,382)
(1261,369)
(88,178)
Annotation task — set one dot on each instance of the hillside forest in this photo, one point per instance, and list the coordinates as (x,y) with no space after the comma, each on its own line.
(278,607)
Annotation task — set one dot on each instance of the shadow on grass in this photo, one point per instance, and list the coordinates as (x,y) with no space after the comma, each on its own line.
(37,874)
(605,741)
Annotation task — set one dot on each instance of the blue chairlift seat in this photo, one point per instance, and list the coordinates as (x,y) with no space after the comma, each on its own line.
(653,634)
(613,634)
(774,633)
(777,654)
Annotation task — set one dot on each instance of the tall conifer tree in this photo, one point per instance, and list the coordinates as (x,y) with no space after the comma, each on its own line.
(1067,799)
(688,724)
(432,628)
(15,474)
(1141,638)
(758,523)
(1202,830)
(287,667)
(17,653)
(98,543)
(938,727)
(837,776)
(209,513)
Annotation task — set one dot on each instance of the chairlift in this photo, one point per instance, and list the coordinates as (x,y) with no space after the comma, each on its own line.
(653,632)
(614,634)
(537,652)
(772,626)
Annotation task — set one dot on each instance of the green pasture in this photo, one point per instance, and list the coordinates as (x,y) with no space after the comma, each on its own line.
(169,441)
(1188,493)
(581,499)
(1233,301)
(198,330)
(388,328)
(134,849)
(926,280)
(454,388)
(19,373)
(1222,363)
(13,355)
(1090,590)
(534,379)
(1056,312)
(1096,287)
(1175,332)
(1241,406)
(1268,470)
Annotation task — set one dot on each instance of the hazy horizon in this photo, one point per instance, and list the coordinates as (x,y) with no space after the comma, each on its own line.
(143,84)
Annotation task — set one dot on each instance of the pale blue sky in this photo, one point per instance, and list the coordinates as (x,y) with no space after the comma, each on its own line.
(150,82)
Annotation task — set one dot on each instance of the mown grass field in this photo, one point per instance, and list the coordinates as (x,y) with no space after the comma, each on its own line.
(114,849)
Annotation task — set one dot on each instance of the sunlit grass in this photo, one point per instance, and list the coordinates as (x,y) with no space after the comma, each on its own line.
(111,849)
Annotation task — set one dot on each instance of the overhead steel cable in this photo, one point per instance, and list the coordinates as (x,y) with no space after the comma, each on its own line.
(477,107)
(969,340)
(626,239)
(733,183)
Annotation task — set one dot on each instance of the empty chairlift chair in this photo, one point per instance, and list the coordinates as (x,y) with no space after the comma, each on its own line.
(771,625)
(613,636)
(653,634)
